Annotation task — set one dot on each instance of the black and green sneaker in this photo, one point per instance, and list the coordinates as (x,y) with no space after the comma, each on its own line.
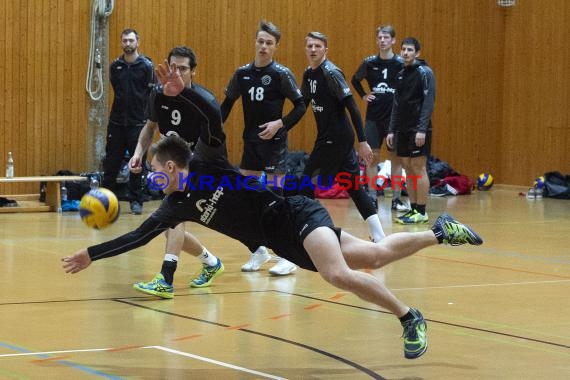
(415,335)
(207,275)
(450,231)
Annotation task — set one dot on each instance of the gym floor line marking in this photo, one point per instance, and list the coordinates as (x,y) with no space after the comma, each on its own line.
(187,337)
(166,349)
(212,361)
(123,348)
(495,267)
(316,350)
(337,296)
(238,327)
(50,359)
(53,352)
(466,327)
(280,316)
(484,285)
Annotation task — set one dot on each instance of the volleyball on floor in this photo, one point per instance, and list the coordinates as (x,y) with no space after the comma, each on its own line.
(484,181)
(539,182)
(99,208)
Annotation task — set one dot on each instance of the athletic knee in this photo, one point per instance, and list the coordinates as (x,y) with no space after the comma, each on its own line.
(338,278)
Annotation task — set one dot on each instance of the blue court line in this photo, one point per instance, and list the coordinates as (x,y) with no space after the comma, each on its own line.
(80,367)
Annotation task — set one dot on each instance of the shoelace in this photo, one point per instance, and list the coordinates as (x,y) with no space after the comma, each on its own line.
(410,331)
(207,272)
(457,234)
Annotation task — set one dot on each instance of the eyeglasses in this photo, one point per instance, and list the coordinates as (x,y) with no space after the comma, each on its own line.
(183,69)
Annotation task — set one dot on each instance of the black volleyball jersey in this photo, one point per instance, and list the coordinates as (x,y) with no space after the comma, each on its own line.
(414,99)
(175,116)
(380,75)
(263,91)
(216,194)
(325,88)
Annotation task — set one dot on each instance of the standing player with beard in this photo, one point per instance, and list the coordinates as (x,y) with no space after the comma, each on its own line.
(263,86)
(132,77)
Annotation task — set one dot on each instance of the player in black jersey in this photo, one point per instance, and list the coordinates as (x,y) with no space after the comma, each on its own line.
(297,227)
(379,71)
(174,116)
(263,86)
(411,129)
(325,88)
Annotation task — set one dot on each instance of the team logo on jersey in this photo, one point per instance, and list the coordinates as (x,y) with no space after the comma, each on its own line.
(316,107)
(303,229)
(207,207)
(383,88)
(164,107)
(168,134)
(265,80)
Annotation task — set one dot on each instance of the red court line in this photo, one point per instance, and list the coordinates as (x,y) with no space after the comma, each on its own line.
(280,316)
(337,296)
(187,337)
(496,267)
(124,348)
(314,306)
(50,359)
(237,327)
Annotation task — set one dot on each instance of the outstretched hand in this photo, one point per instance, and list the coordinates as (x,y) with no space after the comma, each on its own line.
(76,262)
(169,77)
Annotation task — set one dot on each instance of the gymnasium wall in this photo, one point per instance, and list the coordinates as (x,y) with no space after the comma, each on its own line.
(502,83)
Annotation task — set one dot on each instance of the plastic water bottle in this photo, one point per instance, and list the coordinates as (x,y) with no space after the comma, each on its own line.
(10,166)
(94,184)
(63,193)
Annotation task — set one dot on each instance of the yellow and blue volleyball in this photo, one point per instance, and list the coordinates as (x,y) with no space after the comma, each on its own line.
(484,181)
(539,182)
(99,208)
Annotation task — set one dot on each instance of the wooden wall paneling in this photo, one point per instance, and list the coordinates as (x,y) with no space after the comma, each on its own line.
(8,88)
(37,90)
(535,118)
(15,125)
(78,42)
(3,76)
(466,129)
(21,58)
(502,84)
(28,67)
(42,37)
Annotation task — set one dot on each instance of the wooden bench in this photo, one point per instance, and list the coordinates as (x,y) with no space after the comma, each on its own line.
(31,202)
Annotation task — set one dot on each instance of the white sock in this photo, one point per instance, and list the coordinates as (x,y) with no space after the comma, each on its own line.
(375,227)
(260,250)
(171,257)
(207,258)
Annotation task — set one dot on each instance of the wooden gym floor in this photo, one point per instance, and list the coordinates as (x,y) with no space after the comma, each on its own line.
(499,311)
